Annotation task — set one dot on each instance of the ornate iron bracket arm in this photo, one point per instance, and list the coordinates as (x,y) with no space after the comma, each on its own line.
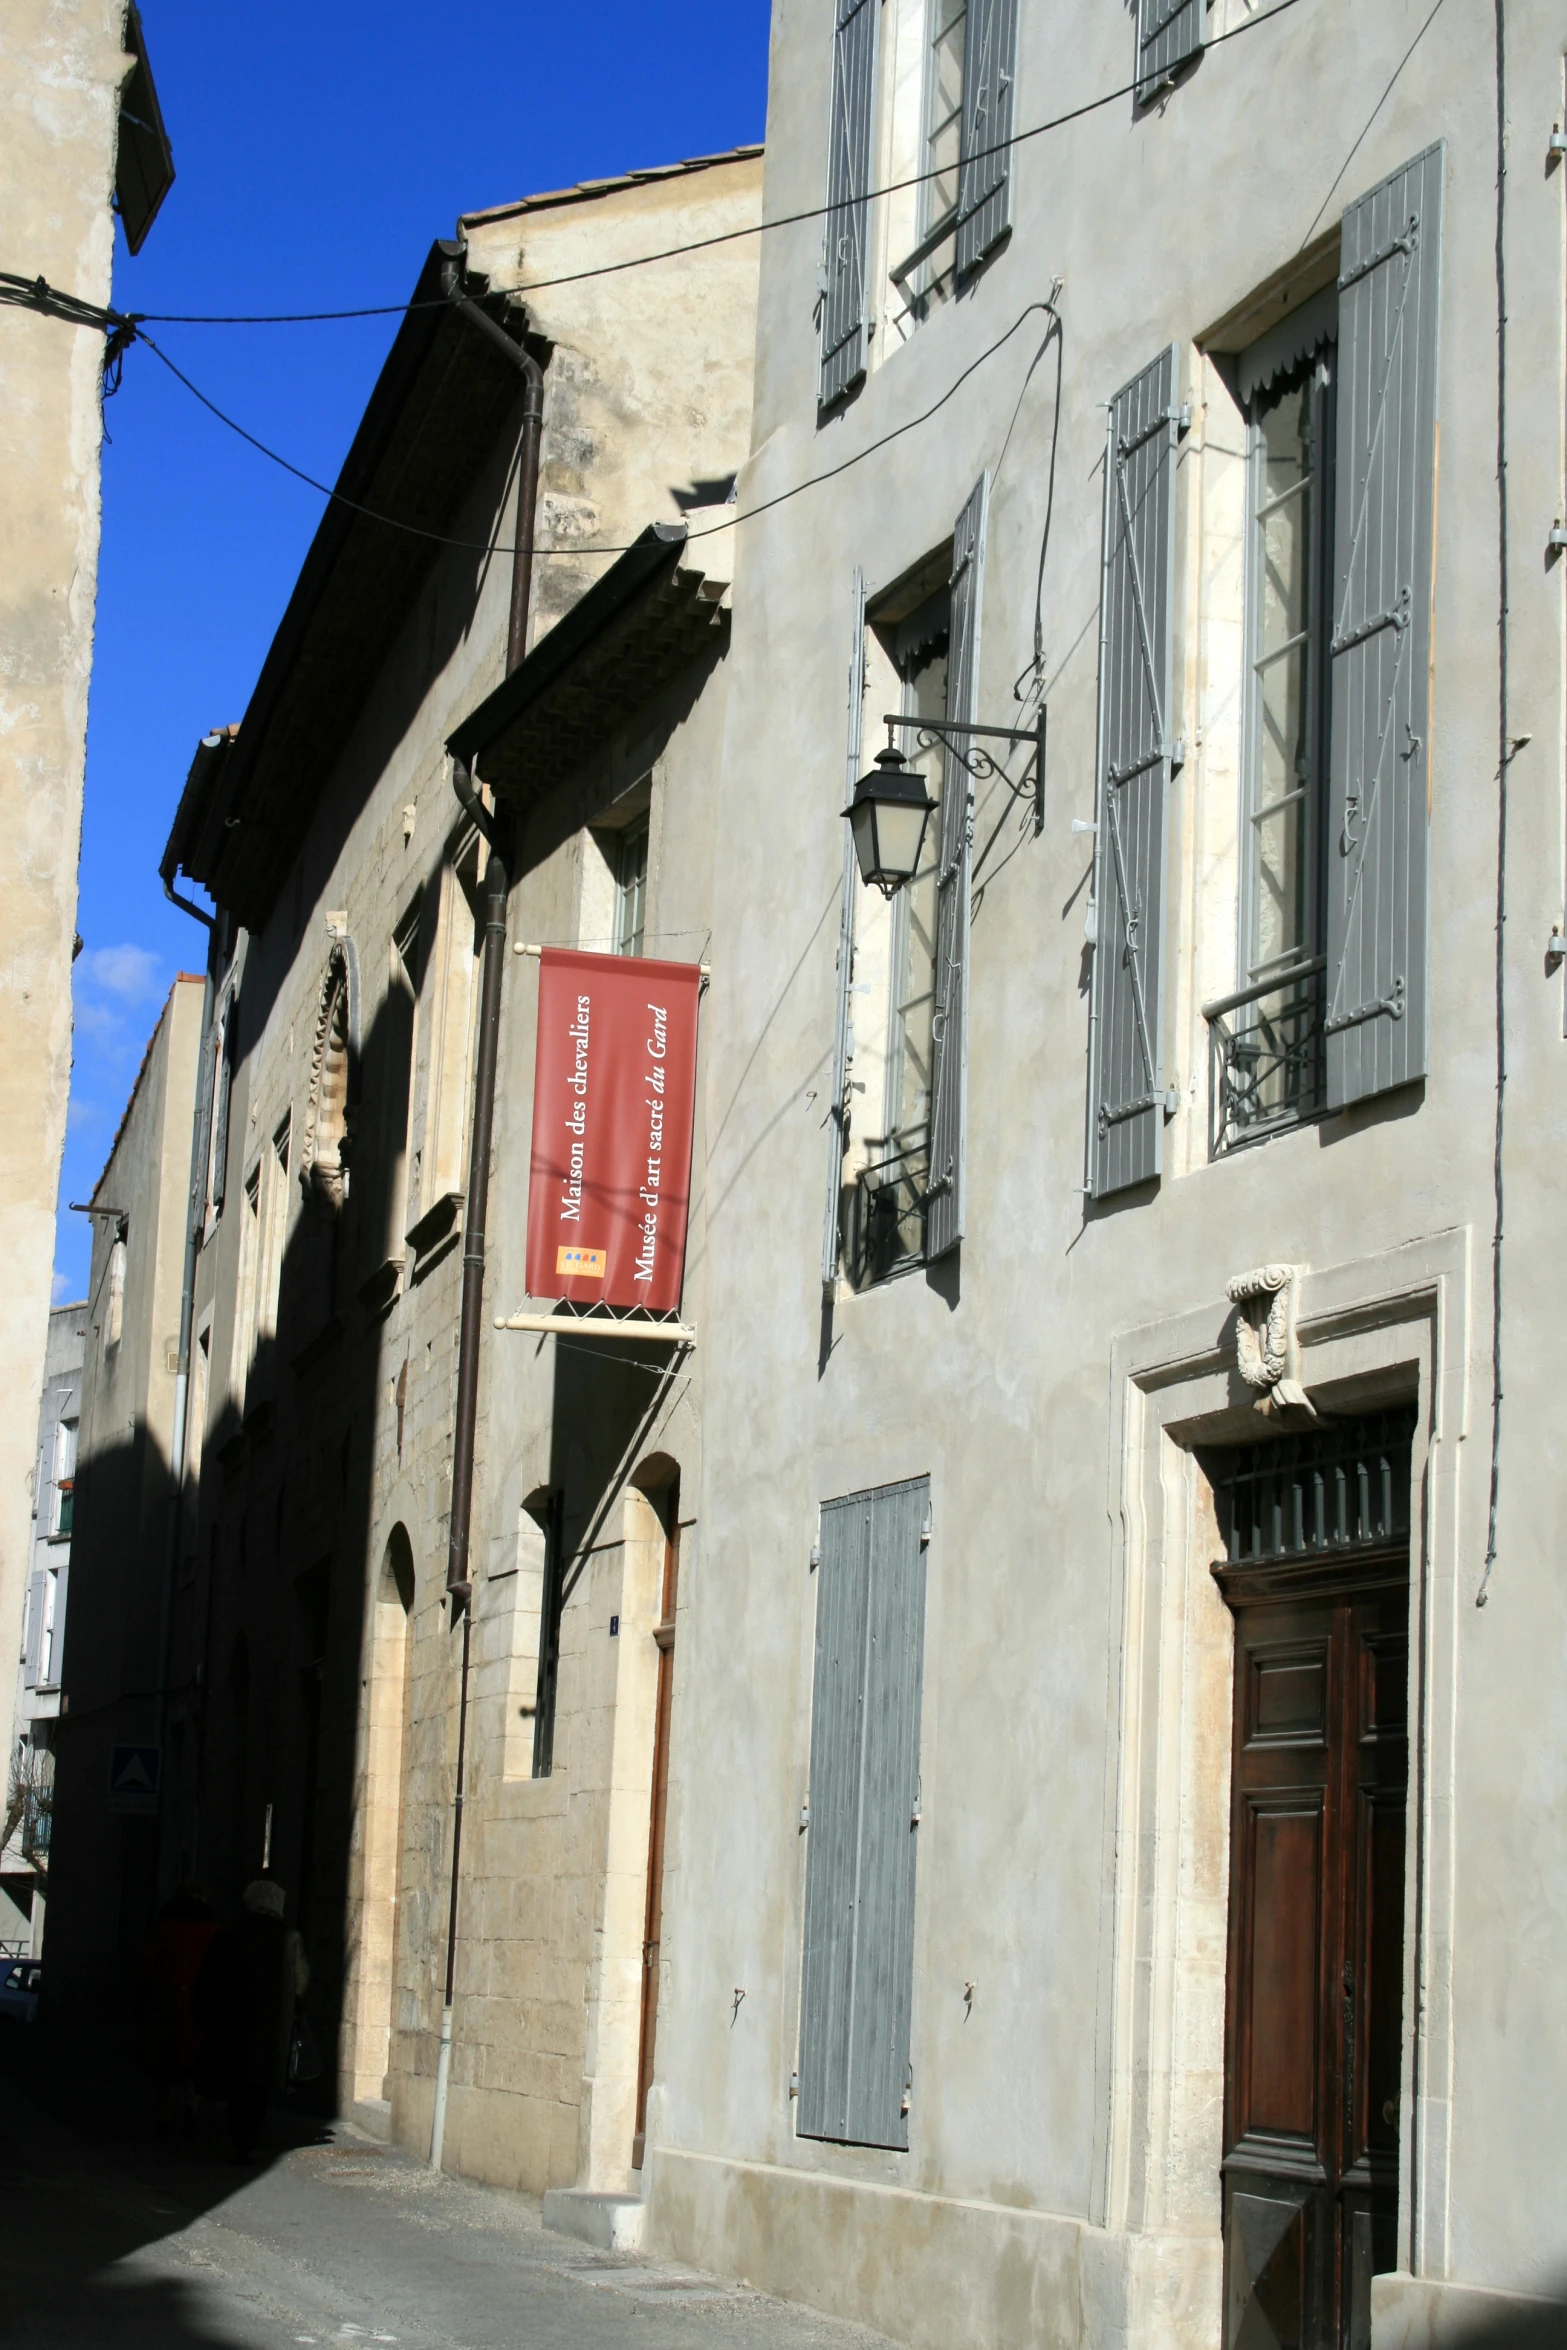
(962,740)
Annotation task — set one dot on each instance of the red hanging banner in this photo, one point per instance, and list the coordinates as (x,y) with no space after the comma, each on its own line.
(614,1095)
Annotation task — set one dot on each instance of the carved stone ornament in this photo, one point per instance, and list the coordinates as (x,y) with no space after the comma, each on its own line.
(1267,1351)
(324,1159)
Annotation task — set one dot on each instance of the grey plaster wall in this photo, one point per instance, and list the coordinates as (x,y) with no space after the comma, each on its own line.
(1017,2212)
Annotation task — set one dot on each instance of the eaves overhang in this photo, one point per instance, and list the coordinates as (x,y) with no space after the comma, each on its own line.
(430,428)
(648,618)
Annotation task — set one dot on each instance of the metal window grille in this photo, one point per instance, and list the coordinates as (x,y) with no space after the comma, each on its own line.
(1299,1497)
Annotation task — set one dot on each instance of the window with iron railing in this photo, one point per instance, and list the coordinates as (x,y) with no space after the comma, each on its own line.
(1267,1063)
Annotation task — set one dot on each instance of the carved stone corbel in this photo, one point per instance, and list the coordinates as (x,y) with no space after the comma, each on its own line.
(1267,1351)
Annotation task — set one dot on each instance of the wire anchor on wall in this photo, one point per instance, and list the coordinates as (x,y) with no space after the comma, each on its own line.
(965,743)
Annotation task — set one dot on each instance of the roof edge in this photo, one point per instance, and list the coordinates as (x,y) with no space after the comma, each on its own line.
(588,191)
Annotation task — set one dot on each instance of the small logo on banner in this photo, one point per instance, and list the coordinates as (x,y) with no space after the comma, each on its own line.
(581,1264)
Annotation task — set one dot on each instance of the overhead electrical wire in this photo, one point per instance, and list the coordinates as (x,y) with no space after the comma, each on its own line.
(14,284)
(574,547)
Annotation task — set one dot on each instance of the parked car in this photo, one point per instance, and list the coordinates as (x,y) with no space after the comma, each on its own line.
(20,1986)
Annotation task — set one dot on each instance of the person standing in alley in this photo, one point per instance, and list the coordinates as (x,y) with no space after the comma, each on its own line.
(170,1970)
(254,1973)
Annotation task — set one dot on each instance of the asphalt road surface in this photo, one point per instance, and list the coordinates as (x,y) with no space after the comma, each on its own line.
(114,2238)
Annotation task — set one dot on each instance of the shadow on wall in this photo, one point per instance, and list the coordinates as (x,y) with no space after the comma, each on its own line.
(266,1630)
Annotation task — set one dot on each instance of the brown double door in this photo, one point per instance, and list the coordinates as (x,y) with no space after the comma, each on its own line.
(1316,1956)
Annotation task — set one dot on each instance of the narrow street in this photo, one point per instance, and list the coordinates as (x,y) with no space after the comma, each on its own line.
(117,2239)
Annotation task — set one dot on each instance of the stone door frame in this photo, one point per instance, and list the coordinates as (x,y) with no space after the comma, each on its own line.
(1394,1325)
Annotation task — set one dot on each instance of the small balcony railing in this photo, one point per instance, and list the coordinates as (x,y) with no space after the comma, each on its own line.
(1266,1063)
(884,1221)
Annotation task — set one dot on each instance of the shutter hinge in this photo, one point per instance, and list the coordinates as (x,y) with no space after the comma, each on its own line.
(1555,951)
(794,2084)
(1172,1100)
(816,1556)
(805,1813)
(1555,148)
(1183,417)
(1178,753)
(925,1532)
(1556,541)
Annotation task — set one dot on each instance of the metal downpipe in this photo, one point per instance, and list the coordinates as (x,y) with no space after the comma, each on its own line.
(498,877)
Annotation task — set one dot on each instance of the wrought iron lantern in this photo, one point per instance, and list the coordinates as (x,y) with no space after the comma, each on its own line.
(887,816)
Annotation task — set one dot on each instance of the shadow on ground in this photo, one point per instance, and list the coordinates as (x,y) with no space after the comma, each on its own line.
(89,2182)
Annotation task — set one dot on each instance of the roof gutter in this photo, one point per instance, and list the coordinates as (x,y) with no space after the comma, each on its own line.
(496,835)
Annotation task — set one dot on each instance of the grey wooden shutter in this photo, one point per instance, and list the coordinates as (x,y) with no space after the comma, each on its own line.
(848,196)
(1136,755)
(949,1025)
(1168,33)
(985,157)
(35,1627)
(842,1047)
(1384,532)
(222,1085)
(857,1979)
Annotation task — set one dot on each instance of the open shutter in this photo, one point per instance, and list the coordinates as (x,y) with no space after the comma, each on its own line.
(949,1023)
(842,1044)
(1136,755)
(1168,33)
(857,1981)
(848,196)
(985,159)
(1384,549)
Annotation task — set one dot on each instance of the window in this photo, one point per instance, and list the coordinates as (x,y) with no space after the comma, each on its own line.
(862,1817)
(401,1020)
(114,1291)
(927,273)
(932,94)
(899,1089)
(1332,662)
(64,1474)
(631,888)
(1269,1039)
(549,1512)
(887,1227)
(443,1043)
(245,1288)
(221,1076)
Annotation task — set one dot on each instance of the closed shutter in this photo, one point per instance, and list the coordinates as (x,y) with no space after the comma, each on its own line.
(848,196)
(857,1979)
(949,1025)
(1384,550)
(35,1627)
(223,1086)
(838,1098)
(1136,751)
(1168,33)
(985,159)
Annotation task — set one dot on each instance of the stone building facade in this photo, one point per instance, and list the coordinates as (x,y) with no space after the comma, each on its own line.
(316,1657)
(63,72)
(24,1849)
(113,1672)
(1104,1980)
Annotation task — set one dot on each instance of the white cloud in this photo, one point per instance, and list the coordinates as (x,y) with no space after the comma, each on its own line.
(133,975)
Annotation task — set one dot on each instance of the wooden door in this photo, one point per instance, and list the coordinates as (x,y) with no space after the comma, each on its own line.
(653,1928)
(1316,1952)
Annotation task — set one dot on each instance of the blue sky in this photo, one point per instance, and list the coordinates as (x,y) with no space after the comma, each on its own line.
(318,153)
